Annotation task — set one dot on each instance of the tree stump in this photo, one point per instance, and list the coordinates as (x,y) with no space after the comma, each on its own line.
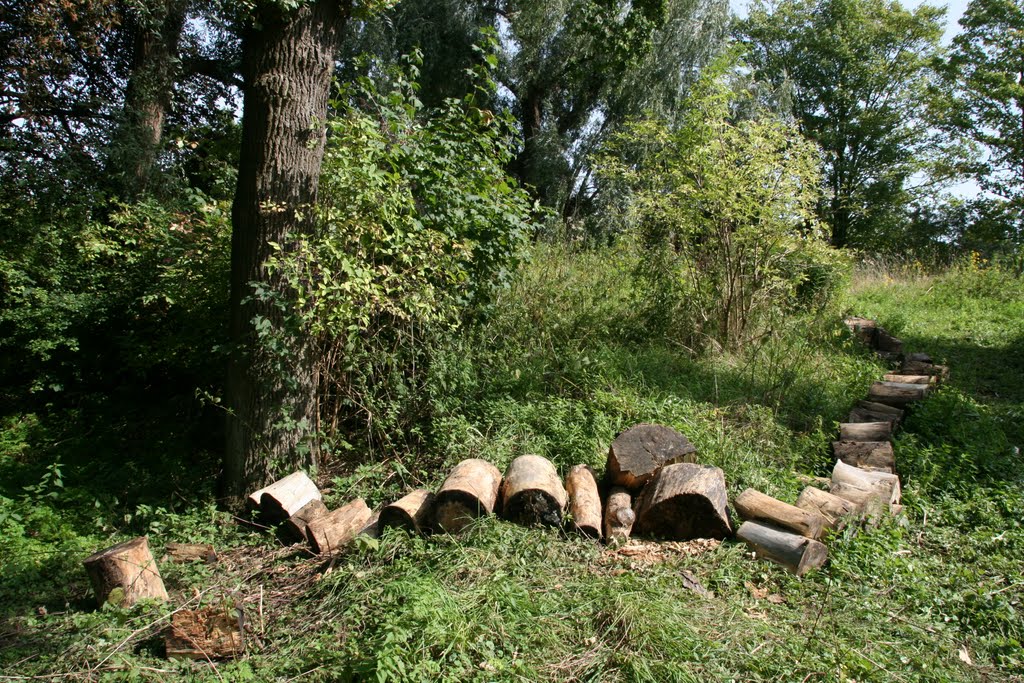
(413,512)
(833,509)
(190,552)
(755,506)
(796,553)
(684,502)
(295,528)
(640,451)
(532,493)
(584,500)
(867,455)
(284,497)
(331,532)
(125,573)
(896,395)
(207,633)
(865,431)
(470,491)
(618,517)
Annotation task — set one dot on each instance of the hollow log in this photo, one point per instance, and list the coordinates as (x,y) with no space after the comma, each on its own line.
(284,497)
(867,455)
(470,491)
(125,573)
(896,395)
(909,379)
(584,500)
(295,528)
(865,431)
(190,552)
(331,532)
(755,506)
(618,517)
(640,451)
(683,502)
(796,553)
(532,493)
(833,509)
(414,512)
(207,633)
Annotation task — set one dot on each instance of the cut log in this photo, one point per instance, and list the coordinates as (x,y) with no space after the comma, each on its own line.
(833,509)
(532,493)
(896,395)
(886,343)
(910,379)
(755,506)
(796,553)
(867,502)
(684,502)
(413,512)
(331,532)
(867,411)
(865,431)
(863,329)
(284,497)
(618,517)
(919,357)
(584,500)
(911,367)
(859,486)
(867,455)
(207,633)
(470,491)
(125,573)
(640,451)
(190,552)
(294,530)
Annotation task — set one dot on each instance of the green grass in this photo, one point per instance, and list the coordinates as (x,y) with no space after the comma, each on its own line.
(563,365)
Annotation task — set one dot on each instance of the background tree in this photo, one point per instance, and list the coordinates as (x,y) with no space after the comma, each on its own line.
(986,71)
(858,72)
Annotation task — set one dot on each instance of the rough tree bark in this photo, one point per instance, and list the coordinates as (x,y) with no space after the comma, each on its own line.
(287,62)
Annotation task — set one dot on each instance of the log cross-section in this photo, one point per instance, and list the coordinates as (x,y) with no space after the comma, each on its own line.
(639,452)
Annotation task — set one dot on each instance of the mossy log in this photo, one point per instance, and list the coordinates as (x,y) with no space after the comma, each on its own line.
(796,553)
(469,491)
(640,451)
(584,500)
(683,502)
(125,573)
(532,493)
(755,506)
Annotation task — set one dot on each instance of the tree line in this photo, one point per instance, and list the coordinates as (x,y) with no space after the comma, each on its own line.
(385,163)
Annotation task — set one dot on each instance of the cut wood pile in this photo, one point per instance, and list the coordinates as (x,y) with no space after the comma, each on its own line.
(653,486)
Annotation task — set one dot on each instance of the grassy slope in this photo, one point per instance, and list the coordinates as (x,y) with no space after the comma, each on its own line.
(559,371)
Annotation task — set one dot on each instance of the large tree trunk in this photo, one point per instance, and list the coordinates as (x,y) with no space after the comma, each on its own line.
(155,37)
(288,62)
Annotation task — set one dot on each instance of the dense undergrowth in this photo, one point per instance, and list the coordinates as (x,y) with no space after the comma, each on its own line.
(563,363)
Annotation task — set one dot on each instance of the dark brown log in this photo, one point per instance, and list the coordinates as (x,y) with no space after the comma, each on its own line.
(584,500)
(207,633)
(910,379)
(470,491)
(125,573)
(640,451)
(618,517)
(331,532)
(865,431)
(796,553)
(886,343)
(414,512)
(911,367)
(684,502)
(867,411)
(755,506)
(532,492)
(833,509)
(284,497)
(860,486)
(896,395)
(190,552)
(867,455)
(295,528)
